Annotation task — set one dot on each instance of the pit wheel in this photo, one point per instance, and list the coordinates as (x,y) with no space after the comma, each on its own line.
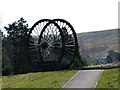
(71,45)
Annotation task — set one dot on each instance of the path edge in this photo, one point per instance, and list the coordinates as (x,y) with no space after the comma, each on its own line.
(70,79)
(98,79)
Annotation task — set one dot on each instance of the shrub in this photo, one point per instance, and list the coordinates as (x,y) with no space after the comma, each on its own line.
(78,62)
(7,70)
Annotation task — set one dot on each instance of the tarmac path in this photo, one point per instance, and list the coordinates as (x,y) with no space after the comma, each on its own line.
(84,79)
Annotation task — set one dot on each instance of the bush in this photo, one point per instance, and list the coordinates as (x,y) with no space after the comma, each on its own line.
(7,70)
(78,62)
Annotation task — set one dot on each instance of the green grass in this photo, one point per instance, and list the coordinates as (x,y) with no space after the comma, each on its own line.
(109,79)
(0,83)
(104,65)
(54,79)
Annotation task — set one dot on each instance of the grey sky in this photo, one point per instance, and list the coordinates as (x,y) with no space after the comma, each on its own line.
(84,15)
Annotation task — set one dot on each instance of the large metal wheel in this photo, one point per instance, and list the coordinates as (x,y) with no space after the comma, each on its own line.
(71,45)
(32,40)
(51,43)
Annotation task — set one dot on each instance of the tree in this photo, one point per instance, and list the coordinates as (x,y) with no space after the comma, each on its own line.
(97,62)
(109,59)
(17,38)
(1,34)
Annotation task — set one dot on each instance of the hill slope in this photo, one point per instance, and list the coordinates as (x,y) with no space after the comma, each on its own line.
(99,42)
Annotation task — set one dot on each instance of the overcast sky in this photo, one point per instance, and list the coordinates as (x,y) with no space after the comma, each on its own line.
(84,15)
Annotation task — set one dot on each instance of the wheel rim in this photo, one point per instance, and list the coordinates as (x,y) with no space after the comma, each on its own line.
(71,45)
(33,38)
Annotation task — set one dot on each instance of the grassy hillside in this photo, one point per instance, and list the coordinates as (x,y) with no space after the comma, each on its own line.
(99,42)
(54,79)
(109,79)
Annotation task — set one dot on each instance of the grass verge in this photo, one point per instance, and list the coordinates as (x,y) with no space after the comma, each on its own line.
(109,79)
(0,82)
(104,65)
(54,79)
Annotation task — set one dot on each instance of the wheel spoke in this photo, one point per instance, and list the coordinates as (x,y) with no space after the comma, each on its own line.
(72,53)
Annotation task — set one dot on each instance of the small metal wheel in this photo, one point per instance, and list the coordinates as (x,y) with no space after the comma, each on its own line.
(71,45)
(33,38)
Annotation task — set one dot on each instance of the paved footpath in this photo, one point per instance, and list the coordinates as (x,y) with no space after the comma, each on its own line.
(84,79)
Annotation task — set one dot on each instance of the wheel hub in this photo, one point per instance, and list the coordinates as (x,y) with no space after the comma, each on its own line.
(44,45)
